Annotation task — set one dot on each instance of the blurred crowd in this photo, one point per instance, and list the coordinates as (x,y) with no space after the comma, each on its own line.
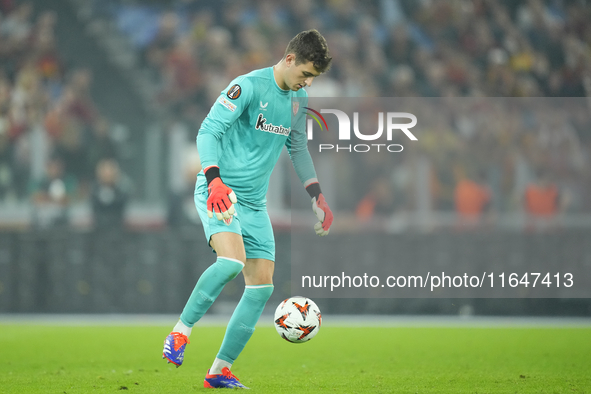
(381,48)
(466,49)
(478,157)
(404,48)
(54,142)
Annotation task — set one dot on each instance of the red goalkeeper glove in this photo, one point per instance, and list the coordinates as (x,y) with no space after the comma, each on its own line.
(221,198)
(321,210)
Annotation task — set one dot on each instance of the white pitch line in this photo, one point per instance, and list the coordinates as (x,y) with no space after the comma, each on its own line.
(327,320)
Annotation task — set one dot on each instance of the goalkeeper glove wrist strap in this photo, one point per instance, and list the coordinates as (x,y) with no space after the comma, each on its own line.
(211,173)
(313,190)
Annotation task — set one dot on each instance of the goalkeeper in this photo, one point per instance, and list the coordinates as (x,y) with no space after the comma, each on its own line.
(239,143)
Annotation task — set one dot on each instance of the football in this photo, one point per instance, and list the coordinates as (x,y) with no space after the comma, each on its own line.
(297,319)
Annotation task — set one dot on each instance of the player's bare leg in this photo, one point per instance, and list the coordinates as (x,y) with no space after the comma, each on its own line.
(258,272)
(228,245)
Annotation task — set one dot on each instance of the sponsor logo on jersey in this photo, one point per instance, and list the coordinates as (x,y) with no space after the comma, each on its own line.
(262,124)
(295,107)
(264,106)
(227,104)
(234,92)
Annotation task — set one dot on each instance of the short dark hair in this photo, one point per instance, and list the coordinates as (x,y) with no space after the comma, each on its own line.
(310,46)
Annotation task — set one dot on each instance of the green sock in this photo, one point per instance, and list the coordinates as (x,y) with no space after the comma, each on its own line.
(243,320)
(208,288)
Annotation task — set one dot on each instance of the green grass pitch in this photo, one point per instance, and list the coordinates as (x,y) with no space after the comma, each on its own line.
(105,359)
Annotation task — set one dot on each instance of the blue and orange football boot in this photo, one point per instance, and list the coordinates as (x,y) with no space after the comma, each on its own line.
(225,380)
(174,348)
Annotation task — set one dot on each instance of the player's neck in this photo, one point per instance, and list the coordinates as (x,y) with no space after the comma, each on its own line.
(278,72)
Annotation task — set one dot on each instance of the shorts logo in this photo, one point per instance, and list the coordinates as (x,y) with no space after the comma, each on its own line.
(227,104)
(234,92)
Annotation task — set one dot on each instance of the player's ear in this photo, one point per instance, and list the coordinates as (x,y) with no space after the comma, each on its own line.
(290,59)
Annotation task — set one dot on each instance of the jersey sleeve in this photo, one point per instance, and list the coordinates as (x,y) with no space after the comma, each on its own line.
(231,103)
(297,144)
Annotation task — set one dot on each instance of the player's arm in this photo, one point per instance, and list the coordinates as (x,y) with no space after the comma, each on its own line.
(297,147)
(227,108)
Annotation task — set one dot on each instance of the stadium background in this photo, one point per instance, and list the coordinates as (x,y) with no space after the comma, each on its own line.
(123,86)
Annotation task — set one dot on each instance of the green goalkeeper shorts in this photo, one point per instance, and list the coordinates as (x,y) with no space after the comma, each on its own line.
(254,226)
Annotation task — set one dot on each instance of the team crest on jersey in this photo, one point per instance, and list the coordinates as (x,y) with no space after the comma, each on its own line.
(295,107)
(234,92)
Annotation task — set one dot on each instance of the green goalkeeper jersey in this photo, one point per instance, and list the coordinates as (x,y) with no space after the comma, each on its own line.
(245,131)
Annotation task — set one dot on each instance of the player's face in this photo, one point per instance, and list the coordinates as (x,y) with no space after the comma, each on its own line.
(301,75)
